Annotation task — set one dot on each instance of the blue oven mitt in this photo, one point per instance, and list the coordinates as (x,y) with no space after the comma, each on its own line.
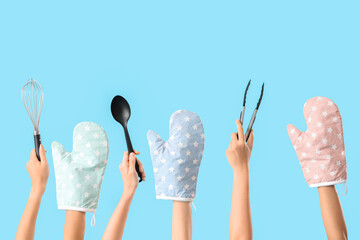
(177,161)
(79,174)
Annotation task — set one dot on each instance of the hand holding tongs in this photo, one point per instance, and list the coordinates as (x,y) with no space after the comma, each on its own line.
(247,134)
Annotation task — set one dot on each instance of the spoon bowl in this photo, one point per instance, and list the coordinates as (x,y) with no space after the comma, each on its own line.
(120,110)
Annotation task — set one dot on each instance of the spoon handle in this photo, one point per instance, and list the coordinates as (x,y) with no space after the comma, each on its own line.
(130,150)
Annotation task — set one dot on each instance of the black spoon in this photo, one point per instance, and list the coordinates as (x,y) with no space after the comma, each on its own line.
(121,112)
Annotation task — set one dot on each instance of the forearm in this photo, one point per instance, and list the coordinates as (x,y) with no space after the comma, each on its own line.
(332,214)
(181,221)
(116,225)
(240,217)
(74,228)
(26,229)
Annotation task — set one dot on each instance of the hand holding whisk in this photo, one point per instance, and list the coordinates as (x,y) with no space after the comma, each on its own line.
(32,95)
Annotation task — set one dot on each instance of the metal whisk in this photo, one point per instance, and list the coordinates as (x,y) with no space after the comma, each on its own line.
(32,95)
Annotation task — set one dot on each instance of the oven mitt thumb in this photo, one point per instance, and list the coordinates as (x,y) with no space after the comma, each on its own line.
(177,161)
(320,148)
(79,174)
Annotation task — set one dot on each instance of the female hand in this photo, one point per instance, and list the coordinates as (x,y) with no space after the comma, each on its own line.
(129,174)
(38,171)
(239,152)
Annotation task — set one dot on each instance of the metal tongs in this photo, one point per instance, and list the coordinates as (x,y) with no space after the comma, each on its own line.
(247,134)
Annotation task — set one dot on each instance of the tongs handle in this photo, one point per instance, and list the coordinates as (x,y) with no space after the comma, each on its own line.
(242,114)
(247,134)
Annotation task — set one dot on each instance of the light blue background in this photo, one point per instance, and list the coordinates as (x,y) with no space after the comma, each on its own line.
(164,56)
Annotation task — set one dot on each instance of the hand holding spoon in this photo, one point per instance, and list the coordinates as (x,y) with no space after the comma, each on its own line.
(121,112)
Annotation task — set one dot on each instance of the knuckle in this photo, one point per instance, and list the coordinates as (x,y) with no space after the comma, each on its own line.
(241,144)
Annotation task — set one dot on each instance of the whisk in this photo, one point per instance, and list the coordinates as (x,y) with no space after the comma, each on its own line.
(32,95)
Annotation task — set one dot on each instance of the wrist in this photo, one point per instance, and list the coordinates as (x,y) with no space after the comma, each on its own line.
(241,170)
(326,188)
(36,193)
(128,194)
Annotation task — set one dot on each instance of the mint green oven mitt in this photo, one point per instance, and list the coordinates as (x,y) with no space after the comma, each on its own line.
(79,174)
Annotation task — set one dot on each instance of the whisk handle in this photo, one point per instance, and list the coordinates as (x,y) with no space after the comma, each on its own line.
(37,141)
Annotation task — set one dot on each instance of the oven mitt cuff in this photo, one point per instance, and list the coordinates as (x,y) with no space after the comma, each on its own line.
(79,174)
(176,162)
(320,149)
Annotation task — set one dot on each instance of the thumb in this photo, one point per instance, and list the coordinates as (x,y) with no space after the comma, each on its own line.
(155,141)
(294,133)
(43,155)
(132,163)
(251,140)
(58,152)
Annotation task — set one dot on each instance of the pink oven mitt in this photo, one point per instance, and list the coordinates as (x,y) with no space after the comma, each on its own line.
(321,149)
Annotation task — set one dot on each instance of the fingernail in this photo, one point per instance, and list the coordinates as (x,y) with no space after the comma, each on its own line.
(131,154)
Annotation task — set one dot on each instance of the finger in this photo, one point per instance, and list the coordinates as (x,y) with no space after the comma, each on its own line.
(28,163)
(125,156)
(43,155)
(125,160)
(251,140)
(234,137)
(141,169)
(240,131)
(136,152)
(33,157)
(132,162)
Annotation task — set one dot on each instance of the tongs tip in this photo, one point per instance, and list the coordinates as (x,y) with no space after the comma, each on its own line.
(246,90)
(261,96)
